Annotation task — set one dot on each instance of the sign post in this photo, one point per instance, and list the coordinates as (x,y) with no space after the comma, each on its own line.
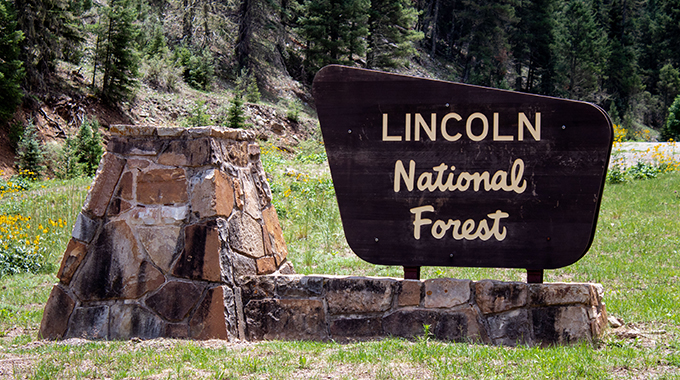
(433,173)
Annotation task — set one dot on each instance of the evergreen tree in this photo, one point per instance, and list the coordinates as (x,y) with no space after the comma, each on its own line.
(51,30)
(532,46)
(11,70)
(117,54)
(668,86)
(89,146)
(30,160)
(334,30)
(485,49)
(236,118)
(671,129)
(621,71)
(583,50)
(391,34)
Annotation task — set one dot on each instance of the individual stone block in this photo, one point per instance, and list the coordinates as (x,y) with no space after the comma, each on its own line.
(409,293)
(358,295)
(511,328)
(445,292)
(356,327)
(56,315)
(160,243)
(170,131)
(118,267)
(292,319)
(299,286)
(495,296)
(265,265)
(242,266)
(162,186)
(559,294)
(274,234)
(118,206)
(85,228)
(89,323)
(212,194)
(110,168)
(261,185)
(200,258)
(74,255)
(133,321)
(460,324)
(125,190)
(561,325)
(175,300)
(209,320)
(186,152)
(245,235)
(258,287)
(252,205)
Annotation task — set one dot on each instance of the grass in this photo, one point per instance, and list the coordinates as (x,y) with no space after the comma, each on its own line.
(635,255)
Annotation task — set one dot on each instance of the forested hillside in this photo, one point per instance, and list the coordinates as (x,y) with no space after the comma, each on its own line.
(621,54)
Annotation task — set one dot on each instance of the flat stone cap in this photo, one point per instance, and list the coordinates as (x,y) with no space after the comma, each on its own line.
(180,132)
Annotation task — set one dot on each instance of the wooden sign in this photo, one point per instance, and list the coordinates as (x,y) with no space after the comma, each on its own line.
(433,173)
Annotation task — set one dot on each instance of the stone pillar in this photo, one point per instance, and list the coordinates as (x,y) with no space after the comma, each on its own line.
(173,219)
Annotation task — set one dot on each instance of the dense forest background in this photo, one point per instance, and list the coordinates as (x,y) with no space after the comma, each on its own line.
(623,55)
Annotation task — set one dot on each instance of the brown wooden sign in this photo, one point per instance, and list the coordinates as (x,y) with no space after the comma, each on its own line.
(433,173)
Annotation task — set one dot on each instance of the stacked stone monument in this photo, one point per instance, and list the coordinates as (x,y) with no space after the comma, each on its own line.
(173,219)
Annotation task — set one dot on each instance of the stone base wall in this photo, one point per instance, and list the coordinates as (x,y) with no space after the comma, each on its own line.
(173,219)
(349,308)
(178,238)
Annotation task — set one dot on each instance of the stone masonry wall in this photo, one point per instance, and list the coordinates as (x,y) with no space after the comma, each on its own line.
(491,312)
(173,219)
(178,238)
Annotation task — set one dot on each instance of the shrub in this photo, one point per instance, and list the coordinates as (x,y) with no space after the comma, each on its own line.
(198,69)
(197,116)
(294,108)
(246,84)
(162,74)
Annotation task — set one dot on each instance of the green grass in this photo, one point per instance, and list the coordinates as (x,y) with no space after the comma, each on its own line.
(635,255)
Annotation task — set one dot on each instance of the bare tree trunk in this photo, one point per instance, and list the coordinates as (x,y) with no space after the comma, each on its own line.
(188,21)
(243,40)
(434,29)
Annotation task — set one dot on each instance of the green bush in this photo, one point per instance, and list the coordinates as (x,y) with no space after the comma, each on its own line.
(294,108)
(246,85)
(198,116)
(198,68)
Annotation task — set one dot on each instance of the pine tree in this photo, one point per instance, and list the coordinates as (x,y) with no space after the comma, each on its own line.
(30,159)
(668,86)
(391,34)
(671,129)
(51,30)
(485,49)
(117,54)
(583,50)
(335,32)
(621,72)
(11,70)
(89,148)
(532,46)
(236,118)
